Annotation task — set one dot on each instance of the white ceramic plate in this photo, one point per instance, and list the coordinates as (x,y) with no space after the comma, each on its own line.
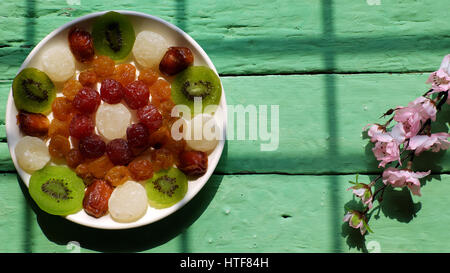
(175,37)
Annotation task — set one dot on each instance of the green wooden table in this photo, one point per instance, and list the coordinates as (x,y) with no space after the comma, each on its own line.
(331,66)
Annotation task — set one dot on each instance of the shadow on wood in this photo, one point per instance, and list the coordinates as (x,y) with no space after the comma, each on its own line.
(61,231)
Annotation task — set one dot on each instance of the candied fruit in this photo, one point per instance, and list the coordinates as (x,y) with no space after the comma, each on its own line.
(124,73)
(193,163)
(162,159)
(92,146)
(71,88)
(150,116)
(59,146)
(88,78)
(112,120)
(33,124)
(140,169)
(31,153)
(58,127)
(138,135)
(103,66)
(95,201)
(100,166)
(175,60)
(58,63)
(136,94)
(160,90)
(148,76)
(87,100)
(119,152)
(81,44)
(111,91)
(82,171)
(74,158)
(159,137)
(81,126)
(62,108)
(118,175)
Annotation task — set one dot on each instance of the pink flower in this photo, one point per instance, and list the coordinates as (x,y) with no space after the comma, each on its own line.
(423,107)
(364,192)
(386,152)
(374,131)
(435,142)
(402,178)
(440,79)
(387,145)
(357,219)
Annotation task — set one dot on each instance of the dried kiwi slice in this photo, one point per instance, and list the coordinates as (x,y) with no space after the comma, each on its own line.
(166,188)
(57,190)
(196,82)
(33,91)
(113,35)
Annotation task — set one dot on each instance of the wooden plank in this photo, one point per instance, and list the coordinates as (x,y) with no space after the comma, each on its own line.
(320,122)
(270,37)
(244,213)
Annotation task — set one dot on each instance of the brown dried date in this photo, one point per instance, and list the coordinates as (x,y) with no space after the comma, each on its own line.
(33,124)
(81,44)
(175,60)
(193,163)
(95,202)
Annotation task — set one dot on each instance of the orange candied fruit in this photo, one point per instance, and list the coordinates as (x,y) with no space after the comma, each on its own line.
(82,170)
(118,175)
(140,169)
(88,77)
(159,137)
(103,66)
(160,90)
(58,127)
(148,76)
(71,88)
(59,146)
(62,108)
(100,166)
(124,73)
(162,159)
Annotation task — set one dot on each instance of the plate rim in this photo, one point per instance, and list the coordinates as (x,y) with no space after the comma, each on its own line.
(211,166)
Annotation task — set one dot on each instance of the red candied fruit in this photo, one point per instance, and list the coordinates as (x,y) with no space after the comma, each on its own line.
(136,94)
(119,151)
(175,60)
(111,91)
(86,100)
(92,146)
(150,116)
(95,201)
(81,44)
(74,158)
(81,126)
(137,135)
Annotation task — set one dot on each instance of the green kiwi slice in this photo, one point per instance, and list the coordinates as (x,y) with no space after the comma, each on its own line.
(57,190)
(33,91)
(166,188)
(196,82)
(113,35)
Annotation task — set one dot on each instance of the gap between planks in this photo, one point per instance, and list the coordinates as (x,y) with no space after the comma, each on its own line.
(300,74)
